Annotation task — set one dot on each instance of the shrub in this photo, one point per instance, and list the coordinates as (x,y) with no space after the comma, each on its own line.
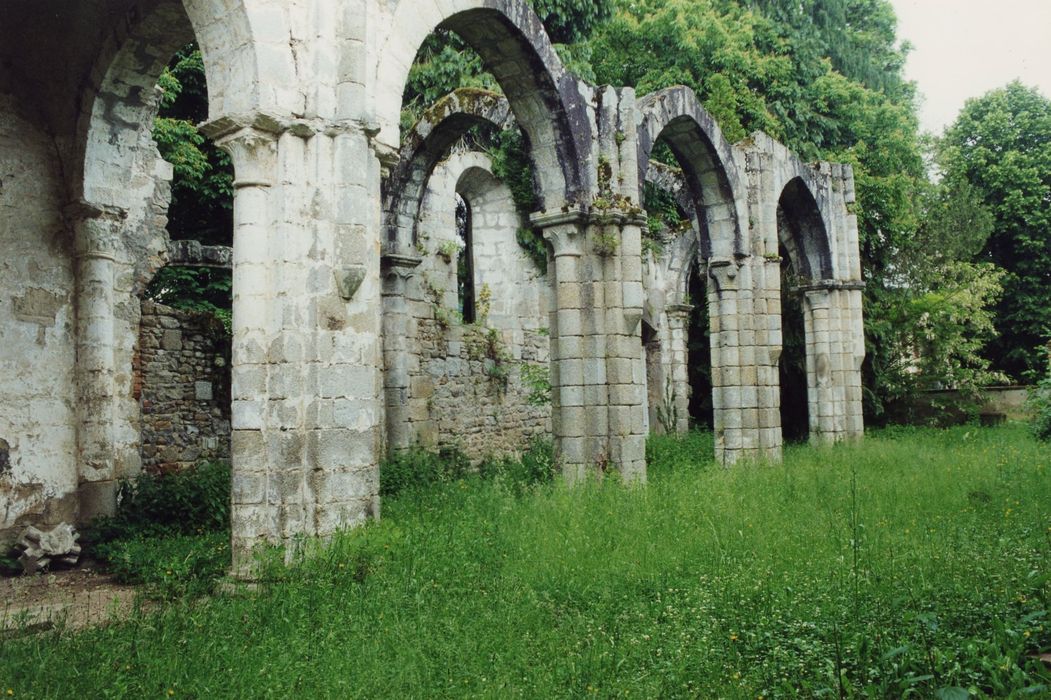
(170,532)
(535,466)
(1040,405)
(193,501)
(417,468)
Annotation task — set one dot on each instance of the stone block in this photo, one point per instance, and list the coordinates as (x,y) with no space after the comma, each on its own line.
(203,391)
(573,421)
(171,340)
(422,387)
(248,488)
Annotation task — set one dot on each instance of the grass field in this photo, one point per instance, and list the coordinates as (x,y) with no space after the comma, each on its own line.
(913,564)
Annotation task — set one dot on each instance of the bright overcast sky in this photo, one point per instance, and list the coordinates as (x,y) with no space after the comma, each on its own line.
(964,48)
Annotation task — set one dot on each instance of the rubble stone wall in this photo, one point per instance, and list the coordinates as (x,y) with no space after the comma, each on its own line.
(183,385)
(463,383)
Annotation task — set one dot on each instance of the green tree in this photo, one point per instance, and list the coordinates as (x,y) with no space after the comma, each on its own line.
(202,188)
(1000,145)
(823,76)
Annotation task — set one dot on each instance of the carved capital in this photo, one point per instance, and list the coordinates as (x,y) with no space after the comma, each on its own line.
(679,312)
(254,154)
(565,241)
(397,270)
(98,229)
(724,272)
(564,230)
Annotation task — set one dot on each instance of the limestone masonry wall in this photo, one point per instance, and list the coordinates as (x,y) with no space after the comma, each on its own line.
(455,384)
(183,385)
(38,473)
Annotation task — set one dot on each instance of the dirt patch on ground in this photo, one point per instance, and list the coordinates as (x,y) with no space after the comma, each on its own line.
(76,598)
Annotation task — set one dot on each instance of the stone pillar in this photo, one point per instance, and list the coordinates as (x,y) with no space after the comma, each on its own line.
(98,240)
(569,417)
(306,380)
(678,353)
(399,339)
(768,345)
(598,373)
(835,350)
(821,400)
(255,499)
(735,395)
(855,330)
(621,273)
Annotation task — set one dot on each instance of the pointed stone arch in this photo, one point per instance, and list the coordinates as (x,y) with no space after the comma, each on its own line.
(803,228)
(547,101)
(427,143)
(712,170)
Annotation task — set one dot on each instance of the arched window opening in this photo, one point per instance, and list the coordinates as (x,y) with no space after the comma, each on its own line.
(465,262)
(699,352)
(201,206)
(795,419)
(184,355)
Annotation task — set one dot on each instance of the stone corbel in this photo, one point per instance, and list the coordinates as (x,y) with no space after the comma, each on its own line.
(349,279)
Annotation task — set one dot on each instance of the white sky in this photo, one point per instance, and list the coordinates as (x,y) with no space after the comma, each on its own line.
(964,48)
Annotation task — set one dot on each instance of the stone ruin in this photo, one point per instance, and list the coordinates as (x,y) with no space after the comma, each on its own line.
(342,345)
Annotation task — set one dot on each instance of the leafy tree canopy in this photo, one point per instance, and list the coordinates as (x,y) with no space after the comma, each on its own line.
(1000,146)
(202,188)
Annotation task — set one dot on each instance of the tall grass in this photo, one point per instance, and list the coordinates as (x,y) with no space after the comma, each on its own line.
(913,564)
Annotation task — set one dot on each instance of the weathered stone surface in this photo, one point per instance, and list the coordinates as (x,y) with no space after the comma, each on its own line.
(183,388)
(38,548)
(310,117)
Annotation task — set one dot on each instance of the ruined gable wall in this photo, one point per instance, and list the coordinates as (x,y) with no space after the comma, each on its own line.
(466,389)
(38,478)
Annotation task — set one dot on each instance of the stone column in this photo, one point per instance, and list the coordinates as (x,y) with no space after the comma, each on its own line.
(835,351)
(255,499)
(598,373)
(855,330)
(399,339)
(677,352)
(621,275)
(307,408)
(569,419)
(735,396)
(98,240)
(821,401)
(768,347)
